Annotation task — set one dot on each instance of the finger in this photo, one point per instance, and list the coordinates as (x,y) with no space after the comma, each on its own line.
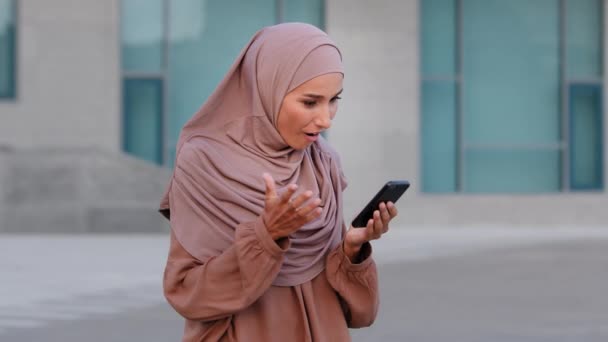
(301,199)
(271,191)
(392,209)
(286,196)
(386,217)
(315,214)
(378,224)
(369,229)
(309,208)
(384,214)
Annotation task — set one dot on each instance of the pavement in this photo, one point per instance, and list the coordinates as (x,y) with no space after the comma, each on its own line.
(472,284)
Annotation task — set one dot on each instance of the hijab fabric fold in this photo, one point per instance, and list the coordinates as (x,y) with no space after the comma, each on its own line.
(232,140)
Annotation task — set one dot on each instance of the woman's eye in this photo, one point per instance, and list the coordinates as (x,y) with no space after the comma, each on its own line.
(309,103)
(336,99)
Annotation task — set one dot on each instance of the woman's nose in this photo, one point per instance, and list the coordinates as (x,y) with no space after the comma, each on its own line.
(323,120)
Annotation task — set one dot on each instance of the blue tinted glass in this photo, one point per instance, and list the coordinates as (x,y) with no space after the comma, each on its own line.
(512,171)
(205,39)
(7,49)
(438,38)
(584,38)
(305,11)
(586,152)
(511,71)
(438,137)
(142,131)
(142,34)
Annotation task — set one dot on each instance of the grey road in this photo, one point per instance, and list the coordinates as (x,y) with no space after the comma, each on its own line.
(442,285)
(555,292)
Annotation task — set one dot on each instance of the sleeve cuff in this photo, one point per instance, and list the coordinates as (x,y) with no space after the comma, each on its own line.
(364,255)
(275,248)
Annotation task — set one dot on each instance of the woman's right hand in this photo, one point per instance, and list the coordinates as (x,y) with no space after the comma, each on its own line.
(283,214)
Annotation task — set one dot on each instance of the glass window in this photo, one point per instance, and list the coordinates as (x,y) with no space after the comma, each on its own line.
(499,73)
(8,52)
(511,95)
(439,95)
(439,43)
(586,152)
(584,76)
(304,11)
(142,118)
(142,35)
(511,71)
(512,170)
(439,136)
(584,38)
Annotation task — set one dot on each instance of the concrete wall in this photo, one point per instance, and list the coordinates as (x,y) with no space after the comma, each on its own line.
(377,127)
(79,190)
(68,76)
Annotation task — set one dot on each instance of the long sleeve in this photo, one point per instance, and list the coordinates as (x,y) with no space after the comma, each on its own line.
(356,285)
(227,283)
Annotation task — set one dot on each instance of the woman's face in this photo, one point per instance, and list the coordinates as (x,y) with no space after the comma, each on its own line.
(308,110)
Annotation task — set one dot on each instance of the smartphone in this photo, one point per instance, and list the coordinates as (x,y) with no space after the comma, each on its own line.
(390,192)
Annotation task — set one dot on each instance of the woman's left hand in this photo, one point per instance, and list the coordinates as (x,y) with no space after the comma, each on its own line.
(356,237)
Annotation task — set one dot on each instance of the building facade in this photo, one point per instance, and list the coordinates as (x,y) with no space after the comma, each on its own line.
(493,109)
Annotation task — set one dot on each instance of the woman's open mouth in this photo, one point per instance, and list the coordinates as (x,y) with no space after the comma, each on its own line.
(312,136)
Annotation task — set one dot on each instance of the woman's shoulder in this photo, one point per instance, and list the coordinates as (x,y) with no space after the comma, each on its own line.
(195,148)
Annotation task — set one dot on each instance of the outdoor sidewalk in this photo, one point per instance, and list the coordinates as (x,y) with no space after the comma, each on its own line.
(51,279)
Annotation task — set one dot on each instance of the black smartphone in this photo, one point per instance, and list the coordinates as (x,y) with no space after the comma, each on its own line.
(390,192)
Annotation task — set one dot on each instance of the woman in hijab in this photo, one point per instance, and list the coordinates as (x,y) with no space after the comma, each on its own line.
(259,249)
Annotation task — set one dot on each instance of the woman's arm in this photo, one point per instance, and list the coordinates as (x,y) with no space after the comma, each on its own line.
(227,283)
(356,284)
(352,272)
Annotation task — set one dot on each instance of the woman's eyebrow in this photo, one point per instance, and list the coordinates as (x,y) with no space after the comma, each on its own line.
(317,96)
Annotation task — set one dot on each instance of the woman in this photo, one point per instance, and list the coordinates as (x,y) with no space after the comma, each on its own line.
(259,249)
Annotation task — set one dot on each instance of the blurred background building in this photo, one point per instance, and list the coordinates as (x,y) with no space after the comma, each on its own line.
(493,109)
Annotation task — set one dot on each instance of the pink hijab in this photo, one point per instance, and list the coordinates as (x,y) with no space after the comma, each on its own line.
(224,149)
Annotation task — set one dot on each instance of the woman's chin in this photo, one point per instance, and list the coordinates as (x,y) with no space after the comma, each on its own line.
(301,144)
